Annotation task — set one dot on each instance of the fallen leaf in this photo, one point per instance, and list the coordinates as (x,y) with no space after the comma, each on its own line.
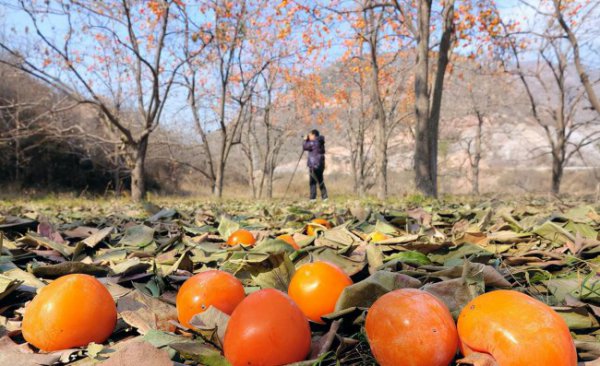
(145,313)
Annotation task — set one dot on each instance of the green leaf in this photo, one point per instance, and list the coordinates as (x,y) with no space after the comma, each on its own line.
(410,257)
(65,268)
(582,229)
(201,353)
(8,285)
(137,236)
(36,240)
(554,233)
(577,318)
(275,272)
(212,323)
(385,228)
(226,227)
(366,292)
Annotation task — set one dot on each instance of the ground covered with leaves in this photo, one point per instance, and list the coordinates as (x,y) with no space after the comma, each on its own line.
(454,249)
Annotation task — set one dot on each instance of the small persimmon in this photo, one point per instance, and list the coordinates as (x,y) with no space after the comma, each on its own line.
(241,236)
(211,288)
(311,228)
(290,240)
(268,329)
(515,329)
(70,312)
(316,287)
(410,327)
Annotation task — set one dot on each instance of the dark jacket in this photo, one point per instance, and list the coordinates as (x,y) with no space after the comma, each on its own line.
(316,153)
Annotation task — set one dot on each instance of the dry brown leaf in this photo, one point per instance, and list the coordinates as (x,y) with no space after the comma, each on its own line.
(145,312)
(139,353)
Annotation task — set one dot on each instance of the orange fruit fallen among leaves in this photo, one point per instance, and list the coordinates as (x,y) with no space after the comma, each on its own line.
(267,329)
(316,287)
(311,229)
(515,329)
(241,236)
(290,240)
(217,288)
(378,236)
(70,312)
(411,327)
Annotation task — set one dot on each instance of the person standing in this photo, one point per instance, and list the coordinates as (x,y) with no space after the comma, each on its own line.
(315,145)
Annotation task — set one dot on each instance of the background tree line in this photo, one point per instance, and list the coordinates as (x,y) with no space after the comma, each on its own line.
(153,94)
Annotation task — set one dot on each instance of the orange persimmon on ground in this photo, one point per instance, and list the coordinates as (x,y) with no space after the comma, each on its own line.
(316,287)
(72,311)
(290,240)
(217,288)
(410,327)
(311,229)
(241,236)
(515,329)
(267,329)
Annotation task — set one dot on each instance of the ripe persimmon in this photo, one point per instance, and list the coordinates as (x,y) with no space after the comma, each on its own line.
(241,236)
(217,288)
(316,287)
(72,311)
(311,229)
(290,240)
(268,329)
(410,327)
(515,329)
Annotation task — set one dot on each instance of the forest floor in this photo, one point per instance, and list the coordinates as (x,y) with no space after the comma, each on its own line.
(455,248)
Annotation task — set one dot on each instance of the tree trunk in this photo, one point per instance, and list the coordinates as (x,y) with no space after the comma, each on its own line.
(18,149)
(428,103)
(269,182)
(557,173)
(380,119)
(422,158)
(477,155)
(138,179)
(218,186)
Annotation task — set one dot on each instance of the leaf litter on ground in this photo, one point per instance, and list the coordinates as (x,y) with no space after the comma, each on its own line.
(455,249)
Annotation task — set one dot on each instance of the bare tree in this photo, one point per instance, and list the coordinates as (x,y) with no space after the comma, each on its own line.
(588,15)
(104,58)
(219,123)
(555,102)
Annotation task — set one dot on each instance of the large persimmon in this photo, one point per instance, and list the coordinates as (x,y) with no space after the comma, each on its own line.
(515,329)
(311,228)
(410,327)
(267,329)
(241,236)
(316,288)
(217,288)
(72,311)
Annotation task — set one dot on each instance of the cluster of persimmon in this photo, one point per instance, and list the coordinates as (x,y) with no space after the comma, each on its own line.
(405,327)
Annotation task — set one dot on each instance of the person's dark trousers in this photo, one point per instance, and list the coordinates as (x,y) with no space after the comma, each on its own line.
(316,177)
